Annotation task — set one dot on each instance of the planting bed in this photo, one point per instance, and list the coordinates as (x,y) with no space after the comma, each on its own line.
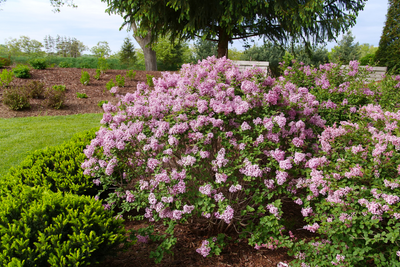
(188,239)
(96,91)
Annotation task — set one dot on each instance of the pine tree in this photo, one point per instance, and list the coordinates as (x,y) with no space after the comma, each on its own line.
(127,54)
(204,49)
(346,50)
(388,53)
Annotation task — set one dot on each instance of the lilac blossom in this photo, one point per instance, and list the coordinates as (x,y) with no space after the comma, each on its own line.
(129,196)
(142,239)
(312,228)
(204,250)
(205,189)
(235,188)
(227,215)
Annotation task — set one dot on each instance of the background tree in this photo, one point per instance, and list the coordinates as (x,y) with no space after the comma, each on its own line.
(225,20)
(346,50)
(127,55)
(366,49)
(3,49)
(203,49)
(388,53)
(24,46)
(269,52)
(367,54)
(235,54)
(102,49)
(316,56)
(171,56)
(64,46)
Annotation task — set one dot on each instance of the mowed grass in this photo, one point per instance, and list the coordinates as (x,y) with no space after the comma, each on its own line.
(20,136)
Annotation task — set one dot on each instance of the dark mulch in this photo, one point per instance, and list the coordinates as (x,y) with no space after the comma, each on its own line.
(70,77)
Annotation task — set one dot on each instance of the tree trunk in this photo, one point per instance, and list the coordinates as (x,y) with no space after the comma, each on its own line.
(222,44)
(150,58)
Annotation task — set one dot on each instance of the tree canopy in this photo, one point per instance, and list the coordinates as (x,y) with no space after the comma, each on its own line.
(346,50)
(102,49)
(388,53)
(309,21)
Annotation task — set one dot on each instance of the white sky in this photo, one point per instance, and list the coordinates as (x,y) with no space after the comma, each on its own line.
(90,24)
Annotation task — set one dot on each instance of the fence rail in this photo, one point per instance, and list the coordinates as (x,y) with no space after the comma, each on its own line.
(376,74)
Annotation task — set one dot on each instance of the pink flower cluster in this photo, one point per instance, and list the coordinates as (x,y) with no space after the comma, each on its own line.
(204,250)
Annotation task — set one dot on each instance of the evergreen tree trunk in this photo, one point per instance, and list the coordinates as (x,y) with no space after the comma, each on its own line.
(222,44)
(150,58)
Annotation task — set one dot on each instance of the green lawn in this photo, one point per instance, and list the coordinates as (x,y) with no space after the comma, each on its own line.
(19,136)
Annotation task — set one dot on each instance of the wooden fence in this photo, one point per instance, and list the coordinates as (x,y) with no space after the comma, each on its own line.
(376,75)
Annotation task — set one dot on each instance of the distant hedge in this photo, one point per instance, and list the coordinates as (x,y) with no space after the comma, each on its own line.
(78,62)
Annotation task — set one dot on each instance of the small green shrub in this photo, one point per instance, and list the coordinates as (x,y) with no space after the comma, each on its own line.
(64,65)
(21,71)
(55,96)
(81,95)
(4,62)
(85,78)
(35,89)
(6,77)
(16,98)
(57,168)
(110,84)
(102,65)
(43,228)
(38,63)
(130,74)
(120,80)
(149,80)
(102,102)
(60,88)
(84,66)
(98,73)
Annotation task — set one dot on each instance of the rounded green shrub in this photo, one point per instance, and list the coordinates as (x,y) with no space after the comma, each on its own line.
(85,78)
(22,71)
(35,89)
(16,98)
(57,168)
(42,228)
(6,77)
(55,96)
(64,65)
(4,62)
(38,63)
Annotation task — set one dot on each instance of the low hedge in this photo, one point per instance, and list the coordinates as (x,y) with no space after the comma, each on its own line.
(57,168)
(41,228)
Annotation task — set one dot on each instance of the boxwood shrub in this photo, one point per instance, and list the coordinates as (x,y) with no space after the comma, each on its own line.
(41,228)
(57,168)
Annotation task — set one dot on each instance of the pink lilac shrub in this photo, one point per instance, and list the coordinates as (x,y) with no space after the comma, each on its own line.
(212,143)
(340,90)
(353,189)
(226,149)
